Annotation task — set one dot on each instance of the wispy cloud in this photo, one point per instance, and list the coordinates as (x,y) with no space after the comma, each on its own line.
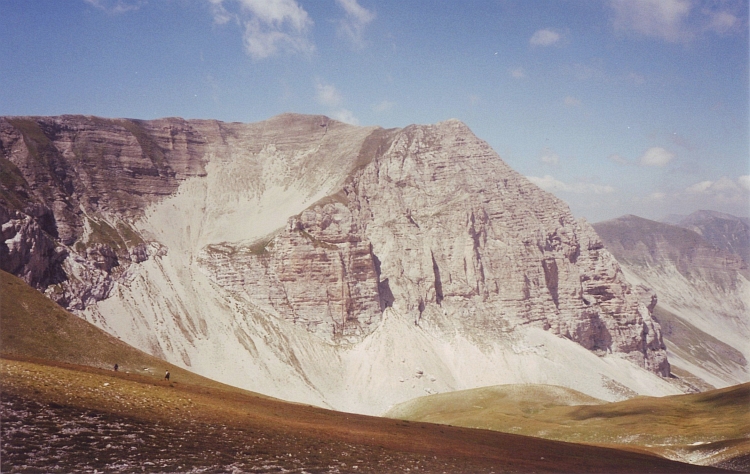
(356,18)
(116,6)
(673,20)
(721,22)
(656,156)
(346,116)
(571,101)
(270,26)
(720,193)
(551,184)
(619,159)
(327,95)
(656,196)
(723,185)
(545,37)
(384,106)
(549,157)
(518,73)
(636,78)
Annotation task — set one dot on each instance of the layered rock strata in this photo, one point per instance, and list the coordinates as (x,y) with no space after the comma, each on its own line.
(426,219)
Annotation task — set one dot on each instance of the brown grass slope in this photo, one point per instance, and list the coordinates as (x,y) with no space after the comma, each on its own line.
(34,327)
(60,416)
(710,428)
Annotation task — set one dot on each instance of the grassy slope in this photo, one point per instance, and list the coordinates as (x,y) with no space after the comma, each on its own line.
(174,425)
(681,426)
(34,327)
(57,412)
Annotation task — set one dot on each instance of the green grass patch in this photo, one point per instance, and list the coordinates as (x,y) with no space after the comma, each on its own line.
(316,242)
(150,148)
(129,235)
(39,145)
(103,233)
(560,414)
(14,189)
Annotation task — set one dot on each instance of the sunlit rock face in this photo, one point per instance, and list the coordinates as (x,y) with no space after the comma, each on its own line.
(440,228)
(155,230)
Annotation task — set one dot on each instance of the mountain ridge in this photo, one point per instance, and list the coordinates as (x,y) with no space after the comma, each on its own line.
(305,254)
(702,289)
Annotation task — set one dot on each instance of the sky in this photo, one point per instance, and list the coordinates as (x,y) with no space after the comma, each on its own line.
(615,106)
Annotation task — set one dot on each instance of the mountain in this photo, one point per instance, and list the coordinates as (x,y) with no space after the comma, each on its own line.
(703,295)
(37,329)
(319,262)
(724,231)
(708,428)
(64,408)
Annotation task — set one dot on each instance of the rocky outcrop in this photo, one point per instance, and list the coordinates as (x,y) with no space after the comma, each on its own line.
(320,273)
(427,220)
(437,226)
(28,251)
(71,187)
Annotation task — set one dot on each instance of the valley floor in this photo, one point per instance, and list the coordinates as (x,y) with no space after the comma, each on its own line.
(63,418)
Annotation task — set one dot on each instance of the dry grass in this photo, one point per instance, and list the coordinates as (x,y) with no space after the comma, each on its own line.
(710,428)
(65,410)
(66,418)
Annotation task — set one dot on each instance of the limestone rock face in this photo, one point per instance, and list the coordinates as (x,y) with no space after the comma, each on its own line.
(322,225)
(437,226)
(28,251)
(72,186)
(320,273)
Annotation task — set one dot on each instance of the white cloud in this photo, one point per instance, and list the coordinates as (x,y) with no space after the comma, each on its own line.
(571,101)
(270,26)
(658,18)
(116,6)
(327,94)
(701,187)
(353,24)
(549,183)
(619,159)
(674,20)
(636,78)
(346,116)
(545,37)
(220,14)
(656,156)
(723,193)
(518,73)
(550,157)
(656,196)
(722,22)
(384,106)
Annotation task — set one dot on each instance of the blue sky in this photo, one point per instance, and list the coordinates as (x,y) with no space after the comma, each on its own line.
(616,106)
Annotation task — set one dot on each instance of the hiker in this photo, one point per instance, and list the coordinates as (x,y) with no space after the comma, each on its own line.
(116,367)
(166,376)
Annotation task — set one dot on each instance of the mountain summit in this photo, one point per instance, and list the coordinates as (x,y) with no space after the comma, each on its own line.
(351,267)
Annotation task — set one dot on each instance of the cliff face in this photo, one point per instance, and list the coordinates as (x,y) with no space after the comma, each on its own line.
(321,225)
(71,189)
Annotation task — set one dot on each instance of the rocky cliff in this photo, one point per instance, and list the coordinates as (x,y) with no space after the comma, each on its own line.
(299,236)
